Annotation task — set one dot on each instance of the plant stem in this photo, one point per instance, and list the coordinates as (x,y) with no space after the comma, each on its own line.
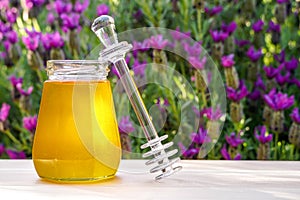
(12,137)
(276,145)
(292,152)
(204,98)
(199,15)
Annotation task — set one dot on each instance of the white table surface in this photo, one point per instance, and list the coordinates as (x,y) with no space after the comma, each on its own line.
(200,179)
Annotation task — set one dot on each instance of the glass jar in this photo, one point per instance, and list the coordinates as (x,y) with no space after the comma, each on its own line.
(77,136)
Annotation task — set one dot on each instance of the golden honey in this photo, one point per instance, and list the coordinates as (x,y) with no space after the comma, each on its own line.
(77,135)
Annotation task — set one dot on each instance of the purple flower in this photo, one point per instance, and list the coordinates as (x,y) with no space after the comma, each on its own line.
(283,79)
(102,9)
(80,7)
(258,26)
(2,149)
(239,94)
(177,35)
(270,71)
(213,11)
(52,40)
(200,137)
(31,43)
(29,123)
(230,28)
(24,92)
(254,55)
(296,82)
(234,140)
(4,4)
(242,43)
(280,57)
(12,36)
(261,136)
(194,50)
(218,36)
(259,83)
(140,46)
(4,27)
(188,153)
(227,61)
(162,102)
(70,21)
(226,155)
(211,113)
(138,14)
(197,63)
(139,68)
(115,71)
(273,27)
(32,40)
(15,155)
(4,112)
(126,126)
(3,55)
(292,64)
(34,3)
(278,101)
(62,7)
(50,18)
(283,1)
(11,15)
(157,42)
(7,45)
(255,94)
(14,80)
(295,115)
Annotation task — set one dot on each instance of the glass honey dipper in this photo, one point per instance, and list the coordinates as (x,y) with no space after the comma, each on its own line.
(114,52)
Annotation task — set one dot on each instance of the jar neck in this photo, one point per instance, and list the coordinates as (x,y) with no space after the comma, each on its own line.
(76,70)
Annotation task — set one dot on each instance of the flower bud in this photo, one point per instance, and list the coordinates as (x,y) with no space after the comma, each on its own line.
(277,120)
(249,6)
(213,128)
(217,50)
(14,53)
(34,60)
(74,42)
(259,39)
(229,46)
(25,103)
(199,81)
(267,114)
(294,134)
(253,70)
(270,83)
(199,4)
(159,57)
(175,6)
(231,77)
(57,54)
(125,142)
(4,125)
(275,37)
(280,12)
(236,112)
(263,151)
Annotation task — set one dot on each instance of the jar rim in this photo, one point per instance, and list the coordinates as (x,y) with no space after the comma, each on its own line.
(73,63)
(76,69)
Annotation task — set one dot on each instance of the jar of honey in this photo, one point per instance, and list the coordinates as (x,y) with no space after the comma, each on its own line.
(76,138)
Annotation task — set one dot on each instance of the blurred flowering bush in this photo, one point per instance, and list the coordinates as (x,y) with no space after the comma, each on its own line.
(255,44)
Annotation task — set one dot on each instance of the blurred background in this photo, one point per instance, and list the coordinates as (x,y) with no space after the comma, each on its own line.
(254,43)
